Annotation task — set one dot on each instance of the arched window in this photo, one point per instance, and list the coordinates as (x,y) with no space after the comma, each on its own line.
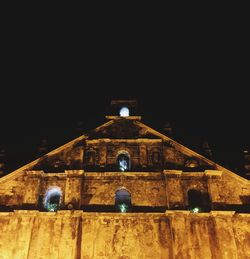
(52,199)
(123,162)
(123,200)
(124,112)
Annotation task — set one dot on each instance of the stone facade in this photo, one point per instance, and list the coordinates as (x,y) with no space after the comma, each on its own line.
(66,203)
(77,234)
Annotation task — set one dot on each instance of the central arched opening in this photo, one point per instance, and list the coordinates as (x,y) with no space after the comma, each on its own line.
(124,112)
(123,200)
(123,162)
(52,199)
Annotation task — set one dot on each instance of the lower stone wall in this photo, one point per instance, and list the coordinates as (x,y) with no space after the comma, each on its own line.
(77,234)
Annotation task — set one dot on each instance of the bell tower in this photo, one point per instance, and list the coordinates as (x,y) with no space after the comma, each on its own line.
(123,108)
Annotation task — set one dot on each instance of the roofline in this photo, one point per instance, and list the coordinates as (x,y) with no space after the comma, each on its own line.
(160,135)
(191,152)
(14,173)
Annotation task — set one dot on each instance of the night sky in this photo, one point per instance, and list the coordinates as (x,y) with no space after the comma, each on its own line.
(57,116)
(50,84)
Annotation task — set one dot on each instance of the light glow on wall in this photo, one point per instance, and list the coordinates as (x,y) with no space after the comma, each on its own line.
(123,200)
(196,210)
(123,207)
(123,164)
(123,161)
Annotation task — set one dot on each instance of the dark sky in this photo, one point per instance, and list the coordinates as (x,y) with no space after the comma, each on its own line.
(196,114)
(198,82)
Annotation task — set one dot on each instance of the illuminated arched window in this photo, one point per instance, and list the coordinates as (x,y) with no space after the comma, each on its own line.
(123,162)
(123,200)
(52,199)
(124,112)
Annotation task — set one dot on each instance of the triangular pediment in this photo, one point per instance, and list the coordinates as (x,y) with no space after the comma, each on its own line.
(120,131)
(122,128)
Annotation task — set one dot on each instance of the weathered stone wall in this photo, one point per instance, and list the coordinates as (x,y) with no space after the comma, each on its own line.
(75,234)
(146,189)
(28,187)
(143,153)
(231,189)
(222,187)
(151,154)
(12,190)
(68,157)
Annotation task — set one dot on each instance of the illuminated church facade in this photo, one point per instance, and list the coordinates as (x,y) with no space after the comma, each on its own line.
(124,190)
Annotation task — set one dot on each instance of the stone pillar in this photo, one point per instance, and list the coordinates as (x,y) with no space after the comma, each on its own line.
(30,187)
(73,187)
(102,154)
(213,177)
(143,155)
(181,247)
(174,192)
(226,245)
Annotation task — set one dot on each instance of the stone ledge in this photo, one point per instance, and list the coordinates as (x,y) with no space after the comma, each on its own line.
(69,213)
(213,173)
(178,212)
(72,173)
(179,173)
(118,215)
(172,173)
(242,215)
(34,173)
(26,212)
(8,213)
(222,213)
(118,175)
(108,140)
(211,213)
(182,174)
(138,118)
(63,174)
(142,215)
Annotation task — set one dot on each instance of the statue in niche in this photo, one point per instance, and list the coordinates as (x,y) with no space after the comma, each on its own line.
(123,162)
